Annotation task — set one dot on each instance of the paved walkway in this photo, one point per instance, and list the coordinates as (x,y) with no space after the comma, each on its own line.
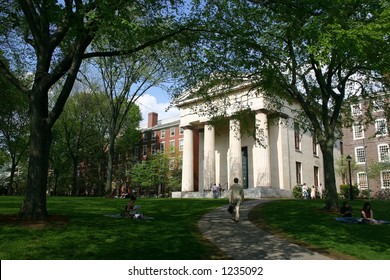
(245,241)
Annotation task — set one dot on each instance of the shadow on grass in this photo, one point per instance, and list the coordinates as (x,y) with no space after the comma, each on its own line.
(305,223)
(91,234)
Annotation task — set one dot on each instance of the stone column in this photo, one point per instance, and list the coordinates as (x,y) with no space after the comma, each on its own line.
(261,153)
(209,157)
(187,183)
(235,156)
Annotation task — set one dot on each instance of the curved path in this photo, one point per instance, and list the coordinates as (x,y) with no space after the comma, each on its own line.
(245,241)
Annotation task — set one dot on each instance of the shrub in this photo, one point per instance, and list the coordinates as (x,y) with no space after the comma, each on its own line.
(364,194)
(297,191)
(344,191)
(383,194)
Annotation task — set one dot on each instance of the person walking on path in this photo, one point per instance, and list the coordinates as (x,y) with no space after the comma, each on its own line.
(236,198)
(245,241)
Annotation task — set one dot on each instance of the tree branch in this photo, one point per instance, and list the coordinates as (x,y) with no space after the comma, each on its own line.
(136,49)
(11,78)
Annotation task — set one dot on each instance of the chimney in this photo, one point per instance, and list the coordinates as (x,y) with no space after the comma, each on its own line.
(152,119)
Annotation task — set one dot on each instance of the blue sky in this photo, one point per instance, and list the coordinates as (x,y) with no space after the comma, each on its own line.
(156,100)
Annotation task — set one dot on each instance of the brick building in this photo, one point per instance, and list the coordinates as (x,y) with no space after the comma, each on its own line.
(159,136)
(368,146)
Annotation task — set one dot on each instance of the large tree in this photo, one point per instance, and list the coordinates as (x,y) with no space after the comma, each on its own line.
(13,129)
(53,38)
(318,54)
(122,80)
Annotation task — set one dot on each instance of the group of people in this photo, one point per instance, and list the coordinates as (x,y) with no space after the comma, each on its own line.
(217,190)
(313,191)
(366,214)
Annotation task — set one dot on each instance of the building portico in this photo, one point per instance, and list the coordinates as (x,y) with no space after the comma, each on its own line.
(266,161)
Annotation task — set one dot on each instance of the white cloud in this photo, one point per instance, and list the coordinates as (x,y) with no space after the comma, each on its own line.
(149,103)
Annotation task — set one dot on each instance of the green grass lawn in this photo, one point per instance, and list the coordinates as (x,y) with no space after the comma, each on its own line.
(305,223)
(83,231)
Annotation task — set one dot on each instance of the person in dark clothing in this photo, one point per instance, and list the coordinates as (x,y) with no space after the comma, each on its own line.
(346,210)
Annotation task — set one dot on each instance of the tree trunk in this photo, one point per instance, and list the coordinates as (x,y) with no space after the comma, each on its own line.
(111,156)
(75,187)
(11,178)
(34,205)
(329,176)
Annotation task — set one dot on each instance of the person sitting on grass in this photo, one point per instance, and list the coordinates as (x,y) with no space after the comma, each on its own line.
(346,214)
(367,214)
(130,208)
(346,210)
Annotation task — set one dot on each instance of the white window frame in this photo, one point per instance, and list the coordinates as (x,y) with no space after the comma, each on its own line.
(378,105)
(145,137)
(358,131)
(359,153)
(172,144)
(356,109)
(383,153)
(154,135)
(181,145)
(181,130)
(153,149)
(162,133)
(385,181)
(172,131)
(380,127)
(171,163)
(162,147)
(362,180)
(144,150)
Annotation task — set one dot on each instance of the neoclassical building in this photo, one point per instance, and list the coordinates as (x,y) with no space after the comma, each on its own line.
(218,146)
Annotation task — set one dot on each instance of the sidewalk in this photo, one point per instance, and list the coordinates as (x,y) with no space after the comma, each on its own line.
(244,241)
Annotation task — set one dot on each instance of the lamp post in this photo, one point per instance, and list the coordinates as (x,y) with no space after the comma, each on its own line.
(349,158)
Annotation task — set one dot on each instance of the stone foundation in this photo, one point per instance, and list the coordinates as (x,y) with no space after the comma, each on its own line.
(253,193)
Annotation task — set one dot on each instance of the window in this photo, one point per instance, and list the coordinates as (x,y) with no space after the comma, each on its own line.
(383,152)
(378,105)
(360,155)
(181,130)
(154,135)
(358,132)
(356,109)
(298,171)
(144,150)
(162,133)
(385,179)
(362,180)
(136,152)
(153,149)
(162,147)
(297,138)
(315,147)
(172,131)
(181,146)
(172,144)
(380,127)
(145,137)
(316,178)
(171,164)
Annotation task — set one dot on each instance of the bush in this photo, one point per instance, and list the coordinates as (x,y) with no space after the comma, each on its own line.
(297,191)
(344,191)
(364,194)
(383,194)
